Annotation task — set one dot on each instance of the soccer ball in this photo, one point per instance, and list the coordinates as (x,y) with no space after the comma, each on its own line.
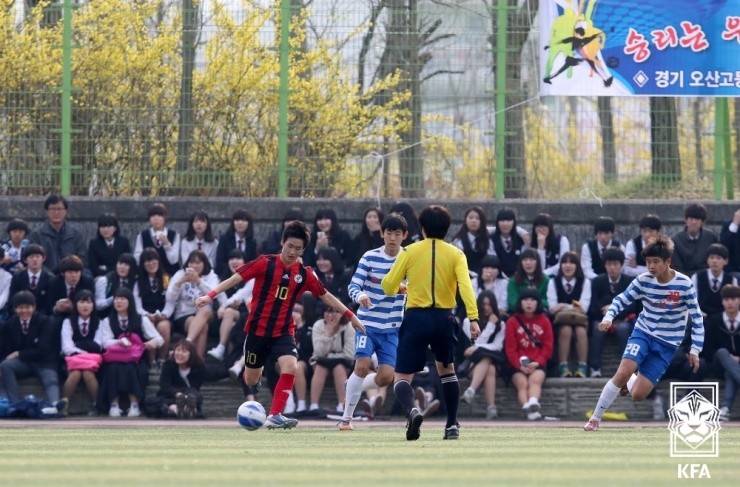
(251,415)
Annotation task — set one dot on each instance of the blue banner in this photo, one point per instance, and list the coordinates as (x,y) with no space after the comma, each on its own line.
(643,48)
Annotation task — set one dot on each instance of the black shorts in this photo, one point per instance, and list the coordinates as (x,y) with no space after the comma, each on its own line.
(422,328)
(178,325)
(257,349)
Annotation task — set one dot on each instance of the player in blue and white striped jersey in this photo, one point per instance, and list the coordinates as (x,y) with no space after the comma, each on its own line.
(668,298)
(381,314)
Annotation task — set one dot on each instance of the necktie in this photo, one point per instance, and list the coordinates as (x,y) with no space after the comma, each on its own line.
(200,246)
(154,285)
(71,293)
(732,326)
(715,284)
(328,279)
(33,282)
(123,282)
(110,245)
(240,245)
(568,287)
(83,328)
(507,244)
(124,324)
(601,252)
(157,241)
(613,287)
(24,326)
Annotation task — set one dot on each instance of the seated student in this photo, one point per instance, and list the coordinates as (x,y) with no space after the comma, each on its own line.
(62,288)
(327,232)
(569,295)
(125,274)
(592,252)
(238,237)
(330,269)
(634,262)
(604,288)
(103,250)
(81,335)
(693,242)
(165,241)
(528,345)
(509,240)
(528,274)
(492,279)
(722,346)
(34,278)
(272,244)
(708,282)
(180,381)
(486,354)
(473,239)
(150,298)
(369,237)
(17,234)
(233,312)
(5,279)
(550,246)
(26,349)
(333,353)
(199,236)
(129,379)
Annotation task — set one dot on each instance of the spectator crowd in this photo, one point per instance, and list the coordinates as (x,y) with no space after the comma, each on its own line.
(103,314)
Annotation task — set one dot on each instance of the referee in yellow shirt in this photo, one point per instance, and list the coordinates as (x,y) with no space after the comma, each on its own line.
(434,270)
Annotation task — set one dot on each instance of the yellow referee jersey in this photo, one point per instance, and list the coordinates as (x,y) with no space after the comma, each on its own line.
(434,270)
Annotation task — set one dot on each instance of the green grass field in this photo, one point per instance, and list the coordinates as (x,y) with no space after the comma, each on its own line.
(373,456)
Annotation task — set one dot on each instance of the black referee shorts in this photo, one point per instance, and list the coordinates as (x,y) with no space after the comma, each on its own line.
(424,328)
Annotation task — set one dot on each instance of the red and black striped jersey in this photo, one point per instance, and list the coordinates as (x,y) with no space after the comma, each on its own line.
(276,290)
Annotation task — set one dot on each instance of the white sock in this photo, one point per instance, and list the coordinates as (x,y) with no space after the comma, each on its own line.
(220,348)
(354,388)
(369,382)
(340,408)
(607,397)
(314,406)
(472,391)
(301,405)
(631,382)
(533,400)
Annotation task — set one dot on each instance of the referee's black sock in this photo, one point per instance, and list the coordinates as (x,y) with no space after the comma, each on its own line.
(451,393)
(404,395)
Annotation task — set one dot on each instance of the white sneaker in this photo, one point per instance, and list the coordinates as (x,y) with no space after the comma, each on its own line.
(217,353)
(468,396)
(724,413)
(658,412)
(491,412)
(235,371)
(531,406)
(595,373)
(534,416)
(115,411)
(133,411)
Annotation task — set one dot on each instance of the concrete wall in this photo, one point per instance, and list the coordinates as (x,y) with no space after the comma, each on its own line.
(572,218)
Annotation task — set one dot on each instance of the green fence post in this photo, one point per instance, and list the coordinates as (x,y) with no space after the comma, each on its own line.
(66,132)
(285,15)
(502,11)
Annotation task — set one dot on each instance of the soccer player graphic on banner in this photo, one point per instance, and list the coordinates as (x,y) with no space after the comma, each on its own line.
(380,314)
(435,270)
(668,298)
(279,280)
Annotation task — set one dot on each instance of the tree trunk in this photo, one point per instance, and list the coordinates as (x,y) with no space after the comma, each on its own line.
(664,142)
(185,110)
(608,153)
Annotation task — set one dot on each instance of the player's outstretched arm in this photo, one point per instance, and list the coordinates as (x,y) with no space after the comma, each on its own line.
(331,300)
(221,287)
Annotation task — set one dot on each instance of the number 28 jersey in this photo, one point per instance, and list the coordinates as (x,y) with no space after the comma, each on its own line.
(276,291)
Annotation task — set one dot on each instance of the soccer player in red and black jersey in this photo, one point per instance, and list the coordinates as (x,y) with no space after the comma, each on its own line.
(279,281)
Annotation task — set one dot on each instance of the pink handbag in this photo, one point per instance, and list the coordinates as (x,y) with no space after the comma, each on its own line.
(84,361)
(125,355)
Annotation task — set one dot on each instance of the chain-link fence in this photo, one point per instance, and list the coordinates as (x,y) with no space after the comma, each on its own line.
(388,98)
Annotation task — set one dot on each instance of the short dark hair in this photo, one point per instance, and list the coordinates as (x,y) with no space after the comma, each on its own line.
(532,293)
(24,297)
(604,224)
(70,263)
(53,199)
(236,254)
(394,221)
(660,246)
(297,229)
(730,291)
(128,258)
(195,360)
(294,213)
(719,250)
(33,249)
(651,221)
(157,209)
(613,254)
(435,220)
(109,220)
(332,255)
(245,215)
(200,256)
(17,224)
(696,210)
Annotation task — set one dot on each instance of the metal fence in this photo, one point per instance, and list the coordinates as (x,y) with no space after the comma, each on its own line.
(359,98)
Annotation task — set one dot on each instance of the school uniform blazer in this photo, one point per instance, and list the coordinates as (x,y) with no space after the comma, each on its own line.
(102,259)
(36,346)
(227,243)
(21,282)
(58,290)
